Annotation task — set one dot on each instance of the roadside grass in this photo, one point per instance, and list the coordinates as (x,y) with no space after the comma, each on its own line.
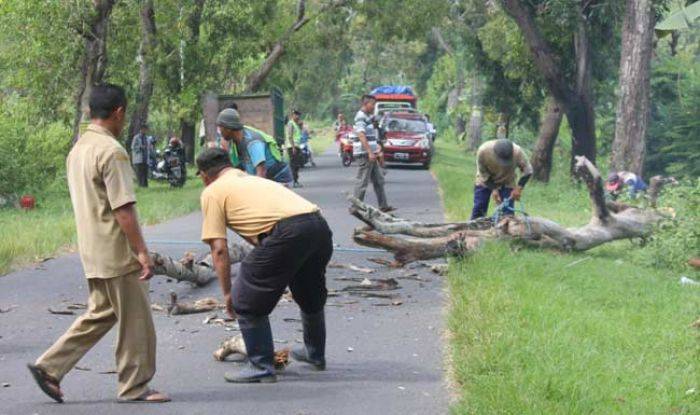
(322,135)
(32,236)
(538,332)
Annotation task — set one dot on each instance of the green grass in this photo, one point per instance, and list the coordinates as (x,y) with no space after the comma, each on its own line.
(322,135)
(533,333)
(31,236)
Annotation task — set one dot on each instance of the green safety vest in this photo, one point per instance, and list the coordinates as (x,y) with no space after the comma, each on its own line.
(270,141)
(297,132)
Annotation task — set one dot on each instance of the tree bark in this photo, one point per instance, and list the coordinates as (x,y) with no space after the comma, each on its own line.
(544,148)
(146,59)
(629,145)
(256,79)
(574,95)
(94,60)
(187,135)
(607,223)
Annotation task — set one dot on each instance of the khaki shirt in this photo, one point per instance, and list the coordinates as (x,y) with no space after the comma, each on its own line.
(490,173)
(248,205)
(100,180)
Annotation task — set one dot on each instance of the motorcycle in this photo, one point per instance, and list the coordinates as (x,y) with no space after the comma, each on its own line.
(306,156)
(170,167)
(346,156)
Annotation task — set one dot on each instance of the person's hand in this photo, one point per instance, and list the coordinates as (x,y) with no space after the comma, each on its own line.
(372,157)
(497,196)
(516,193)
(228,301)
(146,266)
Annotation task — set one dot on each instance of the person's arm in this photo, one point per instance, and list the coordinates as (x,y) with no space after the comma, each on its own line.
(117,177)
(222,266)
(128,221)
(526,173)
(256,154)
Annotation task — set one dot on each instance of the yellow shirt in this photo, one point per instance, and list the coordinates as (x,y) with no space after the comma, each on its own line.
(490,173)
(248,205)
(100,180)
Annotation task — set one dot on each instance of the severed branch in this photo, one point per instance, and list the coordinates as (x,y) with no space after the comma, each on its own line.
(235,345)
(609,222)
(203,305)
(199,273)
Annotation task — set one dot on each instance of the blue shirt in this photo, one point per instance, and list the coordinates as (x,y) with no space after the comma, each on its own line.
(253,150)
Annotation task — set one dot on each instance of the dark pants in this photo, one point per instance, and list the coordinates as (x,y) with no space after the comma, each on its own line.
(482,196)
(141,174)
(295,161)
(294,254)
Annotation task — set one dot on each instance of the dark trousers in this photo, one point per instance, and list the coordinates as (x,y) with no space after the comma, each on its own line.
(141,174)
(482,196)
(295,255)
(295,162)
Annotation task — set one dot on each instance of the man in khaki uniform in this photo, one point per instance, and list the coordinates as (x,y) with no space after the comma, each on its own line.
(114,256)
(496,161)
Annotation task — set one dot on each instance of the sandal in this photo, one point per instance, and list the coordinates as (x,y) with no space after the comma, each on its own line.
(48,384)
(150,396)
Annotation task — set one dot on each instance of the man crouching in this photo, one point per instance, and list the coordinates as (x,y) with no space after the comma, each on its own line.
(293,245)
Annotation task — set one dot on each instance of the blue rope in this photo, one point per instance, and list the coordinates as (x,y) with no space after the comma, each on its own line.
(505,206)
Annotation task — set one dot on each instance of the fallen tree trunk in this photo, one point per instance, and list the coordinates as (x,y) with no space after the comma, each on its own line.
(199,273)
(389,224)
(606,225)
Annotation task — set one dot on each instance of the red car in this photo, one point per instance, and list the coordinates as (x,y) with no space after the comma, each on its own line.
(407,138)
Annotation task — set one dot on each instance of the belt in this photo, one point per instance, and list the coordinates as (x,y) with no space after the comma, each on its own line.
(288,221)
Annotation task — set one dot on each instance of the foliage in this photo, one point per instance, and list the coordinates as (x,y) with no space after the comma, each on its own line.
(678,239)
(674,144)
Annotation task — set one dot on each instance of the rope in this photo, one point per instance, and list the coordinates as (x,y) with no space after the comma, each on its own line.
(504,209)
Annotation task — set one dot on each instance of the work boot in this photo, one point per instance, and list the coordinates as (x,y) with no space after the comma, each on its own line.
(257,337)
(314,350)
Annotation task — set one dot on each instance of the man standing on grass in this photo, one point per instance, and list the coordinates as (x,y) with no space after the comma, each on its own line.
(293,245)
(114,256)
(140,155)
(369,155)
(496,161)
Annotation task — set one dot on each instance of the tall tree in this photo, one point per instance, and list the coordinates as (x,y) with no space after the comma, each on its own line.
(94,32)
(629,145)
(188,58)
(574,94)
(547,137)
(146,58)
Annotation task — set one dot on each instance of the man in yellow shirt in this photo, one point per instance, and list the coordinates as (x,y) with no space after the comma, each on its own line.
(293,245)
(114,256)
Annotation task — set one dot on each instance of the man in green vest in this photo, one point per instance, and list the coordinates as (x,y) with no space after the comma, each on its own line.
(293,145)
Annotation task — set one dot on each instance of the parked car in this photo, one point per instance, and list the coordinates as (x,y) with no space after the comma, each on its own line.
(406,138)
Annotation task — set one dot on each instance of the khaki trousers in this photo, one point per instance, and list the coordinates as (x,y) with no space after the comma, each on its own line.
(122,301)
(370,171)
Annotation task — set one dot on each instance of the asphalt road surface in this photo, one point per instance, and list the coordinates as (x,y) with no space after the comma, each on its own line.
(382,359)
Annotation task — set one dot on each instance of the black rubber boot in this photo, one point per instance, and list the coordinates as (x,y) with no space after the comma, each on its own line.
(314,350)
(257,337)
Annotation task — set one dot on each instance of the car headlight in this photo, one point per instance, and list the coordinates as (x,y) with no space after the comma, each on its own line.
(424,143)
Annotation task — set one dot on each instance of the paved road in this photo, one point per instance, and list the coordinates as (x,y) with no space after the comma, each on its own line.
(381,359)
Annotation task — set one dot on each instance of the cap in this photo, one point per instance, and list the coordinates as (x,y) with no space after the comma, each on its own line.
(210,158)
(229,118)
(504,151)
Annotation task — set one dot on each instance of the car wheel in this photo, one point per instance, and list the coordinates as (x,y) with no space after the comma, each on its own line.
(426,165)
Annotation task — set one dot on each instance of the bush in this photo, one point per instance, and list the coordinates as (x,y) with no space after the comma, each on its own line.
(677,239)
(32,153)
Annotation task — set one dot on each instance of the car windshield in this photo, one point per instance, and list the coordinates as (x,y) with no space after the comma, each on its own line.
(408,126)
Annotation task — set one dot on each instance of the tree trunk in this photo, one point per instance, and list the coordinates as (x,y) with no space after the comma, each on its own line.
(574,95)
(544,148)
(187,133)
(629,145)
(94,60)
(605,225)
(146,59)
(475,128)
